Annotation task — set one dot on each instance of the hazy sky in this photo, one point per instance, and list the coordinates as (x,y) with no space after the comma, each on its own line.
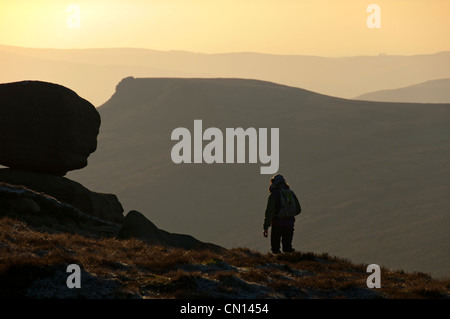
(313,27)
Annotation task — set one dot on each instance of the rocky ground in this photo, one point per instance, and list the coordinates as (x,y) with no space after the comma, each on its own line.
(35,260)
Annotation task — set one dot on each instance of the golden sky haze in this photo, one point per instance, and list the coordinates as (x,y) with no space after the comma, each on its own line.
(306,27)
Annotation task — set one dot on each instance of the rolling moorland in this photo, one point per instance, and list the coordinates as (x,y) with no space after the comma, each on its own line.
(435,91)
(49,222)
(372,177)
(344,77)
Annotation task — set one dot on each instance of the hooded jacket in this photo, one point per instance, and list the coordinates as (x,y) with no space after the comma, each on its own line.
(273,207)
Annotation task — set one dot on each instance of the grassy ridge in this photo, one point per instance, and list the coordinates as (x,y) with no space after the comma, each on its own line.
(33,264)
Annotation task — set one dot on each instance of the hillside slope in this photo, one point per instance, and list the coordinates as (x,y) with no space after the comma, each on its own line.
(372,177)
(435,91)
(35,262)
(40,236)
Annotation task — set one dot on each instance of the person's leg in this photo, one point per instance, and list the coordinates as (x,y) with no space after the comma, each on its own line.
(275,237)
(286,239)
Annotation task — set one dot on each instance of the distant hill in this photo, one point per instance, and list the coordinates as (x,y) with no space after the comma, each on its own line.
(93,73)
(435,91)
(93,81)
(372,177)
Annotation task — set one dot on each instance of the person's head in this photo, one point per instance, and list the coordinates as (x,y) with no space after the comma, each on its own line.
(277,181)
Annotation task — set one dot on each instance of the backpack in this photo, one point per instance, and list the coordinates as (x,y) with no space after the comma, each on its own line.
(288,207)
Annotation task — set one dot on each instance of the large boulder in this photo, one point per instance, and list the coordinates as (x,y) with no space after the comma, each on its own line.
(136,225)
(103,206)
(45,127)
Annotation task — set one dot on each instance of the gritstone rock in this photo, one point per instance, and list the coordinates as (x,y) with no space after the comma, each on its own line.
(45,127)
(136,225)
(104,206)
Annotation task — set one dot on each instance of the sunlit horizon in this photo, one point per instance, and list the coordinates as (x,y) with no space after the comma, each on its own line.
(319,27)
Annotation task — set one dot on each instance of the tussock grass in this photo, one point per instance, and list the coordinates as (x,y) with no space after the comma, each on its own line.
(133,269)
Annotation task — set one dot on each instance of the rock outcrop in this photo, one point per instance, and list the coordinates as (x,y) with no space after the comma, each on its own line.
(45,127)
(136,225)
(47,214)
(104,206)
(47,130)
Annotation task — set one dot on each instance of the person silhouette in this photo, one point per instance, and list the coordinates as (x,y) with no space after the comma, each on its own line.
(282,223)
